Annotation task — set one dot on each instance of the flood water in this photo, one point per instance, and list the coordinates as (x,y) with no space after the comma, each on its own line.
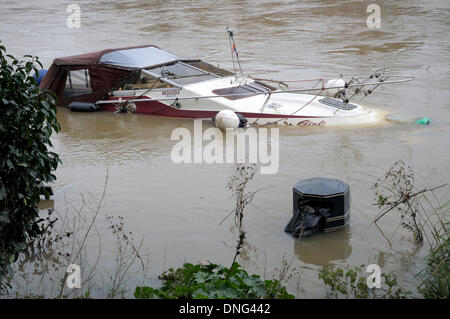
(177,207)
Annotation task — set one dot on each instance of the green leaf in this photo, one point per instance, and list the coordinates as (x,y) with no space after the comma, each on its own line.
(19,246)
(201,277)
(145,293)
(4,217)
(2,192)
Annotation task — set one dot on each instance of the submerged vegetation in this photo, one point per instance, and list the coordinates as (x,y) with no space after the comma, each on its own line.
(351,283)
(397,192)
(237,184)
(420,214)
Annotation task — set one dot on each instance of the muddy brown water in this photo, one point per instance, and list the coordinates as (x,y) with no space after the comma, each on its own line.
(178,207)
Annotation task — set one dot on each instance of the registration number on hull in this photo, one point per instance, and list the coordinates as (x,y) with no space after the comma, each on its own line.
(172,92)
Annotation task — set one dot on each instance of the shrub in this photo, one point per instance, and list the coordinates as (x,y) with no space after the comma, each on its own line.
(420,215)
(212,281)
(350,283)
(397,192)
(27,121)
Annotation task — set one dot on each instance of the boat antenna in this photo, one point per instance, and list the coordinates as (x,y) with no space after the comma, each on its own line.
(234,51)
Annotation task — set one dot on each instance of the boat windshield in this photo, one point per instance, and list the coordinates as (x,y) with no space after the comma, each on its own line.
(241,91)
(180,74)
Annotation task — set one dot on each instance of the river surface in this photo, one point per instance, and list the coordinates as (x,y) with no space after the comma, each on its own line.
(177,208)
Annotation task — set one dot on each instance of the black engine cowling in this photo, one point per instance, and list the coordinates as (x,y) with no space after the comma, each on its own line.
(319,205)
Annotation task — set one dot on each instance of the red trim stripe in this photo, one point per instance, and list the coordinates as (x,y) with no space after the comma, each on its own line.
(160,109)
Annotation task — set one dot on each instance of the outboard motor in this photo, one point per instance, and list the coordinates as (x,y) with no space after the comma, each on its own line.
(320,205)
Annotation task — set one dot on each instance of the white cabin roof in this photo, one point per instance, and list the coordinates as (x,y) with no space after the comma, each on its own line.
(139,57)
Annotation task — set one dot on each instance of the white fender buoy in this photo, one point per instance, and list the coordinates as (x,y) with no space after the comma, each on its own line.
(340,83)
(226,119)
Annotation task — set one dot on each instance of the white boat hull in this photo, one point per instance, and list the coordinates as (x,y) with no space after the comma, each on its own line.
(277,108)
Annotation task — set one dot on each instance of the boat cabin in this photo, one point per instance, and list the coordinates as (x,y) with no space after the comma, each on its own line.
(90,77)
